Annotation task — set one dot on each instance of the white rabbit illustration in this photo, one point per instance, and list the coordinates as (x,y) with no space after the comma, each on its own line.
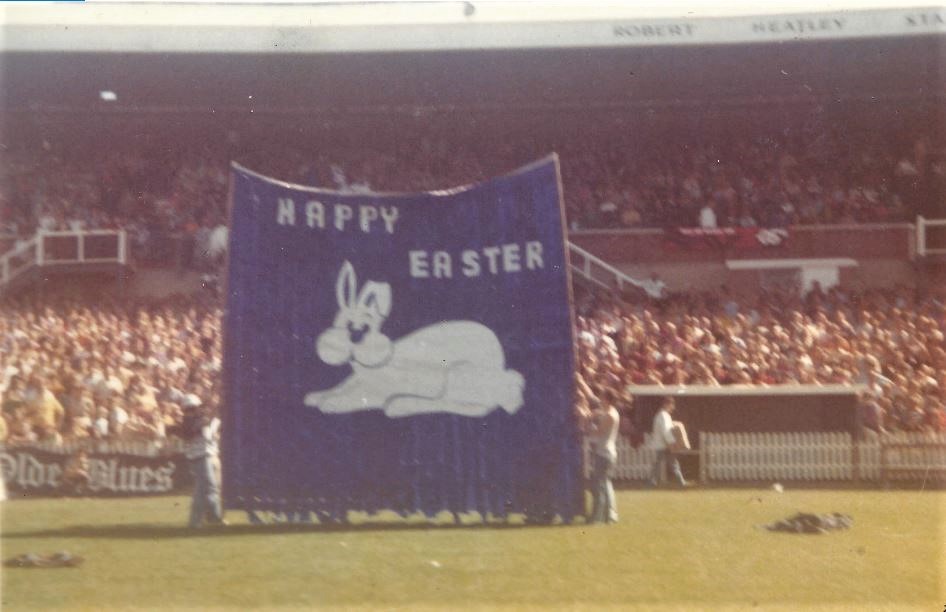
(456,367)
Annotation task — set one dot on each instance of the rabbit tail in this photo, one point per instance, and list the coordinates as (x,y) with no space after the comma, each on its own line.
(510,391)
(482,390)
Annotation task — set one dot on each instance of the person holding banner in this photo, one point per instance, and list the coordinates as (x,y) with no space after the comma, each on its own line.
(201,430)
(665,437)
(601,425)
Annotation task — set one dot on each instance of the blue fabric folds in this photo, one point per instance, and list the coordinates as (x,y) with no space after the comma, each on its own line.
(409,352)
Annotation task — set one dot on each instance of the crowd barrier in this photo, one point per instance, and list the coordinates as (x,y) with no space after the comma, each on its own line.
(115,468)
(857,241)
(74,247)
(799,456)
(124,468)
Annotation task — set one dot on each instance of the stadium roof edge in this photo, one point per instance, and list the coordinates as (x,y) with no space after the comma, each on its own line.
(434,26)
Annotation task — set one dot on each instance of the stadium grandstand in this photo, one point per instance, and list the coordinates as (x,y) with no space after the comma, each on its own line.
(755,205)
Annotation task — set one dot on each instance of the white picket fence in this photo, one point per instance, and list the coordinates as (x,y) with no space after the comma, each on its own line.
(904,456)
(632,464)
(777,456)
(799,456)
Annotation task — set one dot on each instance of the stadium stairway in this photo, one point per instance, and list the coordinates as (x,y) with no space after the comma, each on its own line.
(594,270)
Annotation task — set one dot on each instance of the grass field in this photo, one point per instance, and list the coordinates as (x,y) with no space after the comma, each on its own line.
(697,549)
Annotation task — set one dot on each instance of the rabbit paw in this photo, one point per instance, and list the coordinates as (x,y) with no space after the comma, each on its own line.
(314,400)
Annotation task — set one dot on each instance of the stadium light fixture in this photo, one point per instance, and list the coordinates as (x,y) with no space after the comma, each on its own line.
(108,95)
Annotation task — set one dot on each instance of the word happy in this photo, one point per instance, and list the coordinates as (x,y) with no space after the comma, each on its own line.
(506,258)
(343,217)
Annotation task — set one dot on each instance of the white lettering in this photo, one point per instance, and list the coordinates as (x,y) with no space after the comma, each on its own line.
(443,266)
(471,264)
(367,214)
(7,467)
(286,211)
(124,478)
(28,472)
(534,255)
(491,254)
(25,471)
(98,475)
(315,214)
(419,268)
(771,237)
(389,215)
(343,214)
(505,258)
(145,475)
(511,258)
(165,477)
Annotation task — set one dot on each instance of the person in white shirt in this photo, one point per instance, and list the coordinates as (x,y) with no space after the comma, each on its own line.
(117,416)
(601,426)
(708,217)
(663,440)
(201,430)
(100,424)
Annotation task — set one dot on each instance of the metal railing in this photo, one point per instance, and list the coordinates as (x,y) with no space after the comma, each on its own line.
(17,260)
(922,239)
(64,247)
(857,241)
(588,264)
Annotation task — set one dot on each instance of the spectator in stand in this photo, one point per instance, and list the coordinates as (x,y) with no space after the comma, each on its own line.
(708,216)
(776,338)
(22,431)
(115,370)
(45,411)
(613,180)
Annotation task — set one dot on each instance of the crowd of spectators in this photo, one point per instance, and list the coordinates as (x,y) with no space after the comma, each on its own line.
(615,180)
(111,371)
(758,182)
(70,369)
(890,341)
(126,370)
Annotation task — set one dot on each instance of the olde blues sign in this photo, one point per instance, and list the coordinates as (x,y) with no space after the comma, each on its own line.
(404,352)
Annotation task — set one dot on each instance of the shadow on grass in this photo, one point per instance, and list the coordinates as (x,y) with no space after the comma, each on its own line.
(146,531)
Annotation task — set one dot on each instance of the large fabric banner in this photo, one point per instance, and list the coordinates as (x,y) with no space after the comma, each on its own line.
(403,352)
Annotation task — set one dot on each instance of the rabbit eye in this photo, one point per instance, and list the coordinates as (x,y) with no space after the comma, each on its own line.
(356,333)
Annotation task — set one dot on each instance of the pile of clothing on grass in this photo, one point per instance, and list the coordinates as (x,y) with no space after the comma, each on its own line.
(804,522)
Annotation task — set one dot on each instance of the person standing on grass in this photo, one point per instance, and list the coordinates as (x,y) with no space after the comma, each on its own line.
(601,425)
(201,430)
(663,440)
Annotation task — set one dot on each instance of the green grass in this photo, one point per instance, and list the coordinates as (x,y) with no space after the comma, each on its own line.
(697,549)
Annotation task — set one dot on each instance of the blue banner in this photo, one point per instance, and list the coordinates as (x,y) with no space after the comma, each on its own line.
(403,352)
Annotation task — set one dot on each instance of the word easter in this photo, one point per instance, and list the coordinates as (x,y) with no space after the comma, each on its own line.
(342,217)
(495,259)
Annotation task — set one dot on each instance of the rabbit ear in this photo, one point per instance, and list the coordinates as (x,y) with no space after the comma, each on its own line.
(345,286)
(377,296)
